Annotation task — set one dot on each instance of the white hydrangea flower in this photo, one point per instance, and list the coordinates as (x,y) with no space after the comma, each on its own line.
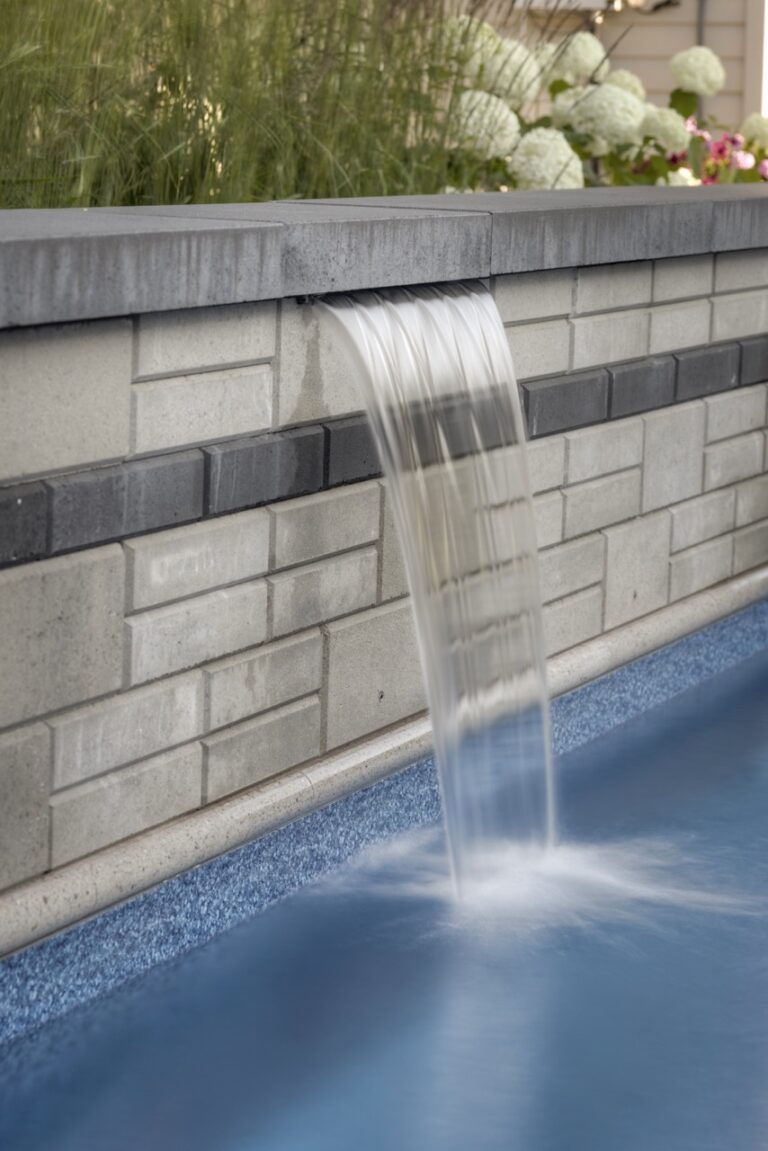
(680,178)
(666,127)
(564,103)
(755,130)
(698,70)
(514,74)
(610,113)
(486,124)
(579,58)
(627,81)
(544,159)
(474,43)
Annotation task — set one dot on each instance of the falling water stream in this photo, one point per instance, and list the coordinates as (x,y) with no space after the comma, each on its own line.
(439,386)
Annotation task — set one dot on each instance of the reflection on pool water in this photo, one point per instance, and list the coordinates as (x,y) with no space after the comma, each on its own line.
(610,994)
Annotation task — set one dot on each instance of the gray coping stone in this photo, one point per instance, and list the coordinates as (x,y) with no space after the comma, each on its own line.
(264,468)
(23,523)
(74,264)
(754,360)
(641,385)
(110,503)
(565,402)
(352,452)
(703,371)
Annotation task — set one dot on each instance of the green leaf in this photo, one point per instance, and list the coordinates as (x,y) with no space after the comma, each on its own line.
(683,102)
(558,86)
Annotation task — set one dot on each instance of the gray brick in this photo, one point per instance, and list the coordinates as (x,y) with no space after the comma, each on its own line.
(94,739)
(185,410)
(257,750)
(23,523)
(679,325)
(245,684)
(168,639)
(534,295)
(546,463)
(600,502)
(317,376)
(702,518)
(570,567)
(110,503)
(25,772)
(394,582)
(752,501)
(599,340)
(754,360)
(538,349)
(642,386)
(573,620)
(750,548)
(352,452)
(188,560)
(60,632)
(548,515)
(706,370)
(565,402)
(64,396)
(171,343)
(315,526)
(264,468)
(742,314)
(374,672)
(636,569)
(682,277)
(735,413)
(324,590)
(700,567)
(613,286)
(674,446)
(735,271)
(733,460)
(609,448)
(106,810)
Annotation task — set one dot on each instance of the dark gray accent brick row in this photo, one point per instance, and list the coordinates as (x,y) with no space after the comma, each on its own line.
(561,403)
(754,361)
(111,503)
(641,385)
(23,523)
(703,371)
(262,469)
(352,452)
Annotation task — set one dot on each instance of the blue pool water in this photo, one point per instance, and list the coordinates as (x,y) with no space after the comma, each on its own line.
(616,998)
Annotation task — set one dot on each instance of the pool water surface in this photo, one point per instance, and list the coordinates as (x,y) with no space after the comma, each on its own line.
(612,995)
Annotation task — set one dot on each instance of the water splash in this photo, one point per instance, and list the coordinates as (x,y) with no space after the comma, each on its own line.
(440,390)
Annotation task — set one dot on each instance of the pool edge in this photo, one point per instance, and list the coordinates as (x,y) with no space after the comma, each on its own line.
(62,898)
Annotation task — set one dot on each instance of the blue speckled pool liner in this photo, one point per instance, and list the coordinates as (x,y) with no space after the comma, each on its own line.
(89,960)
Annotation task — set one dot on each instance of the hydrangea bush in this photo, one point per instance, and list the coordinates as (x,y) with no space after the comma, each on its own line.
(599,128)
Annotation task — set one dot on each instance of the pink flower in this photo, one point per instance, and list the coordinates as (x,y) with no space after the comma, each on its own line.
(743,160)
(676,158)
(736,140)
(763,169)
(709,180)
(720,149)
(693,129)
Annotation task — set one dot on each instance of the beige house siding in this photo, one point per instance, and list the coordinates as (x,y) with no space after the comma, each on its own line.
(644,42)
(649,39)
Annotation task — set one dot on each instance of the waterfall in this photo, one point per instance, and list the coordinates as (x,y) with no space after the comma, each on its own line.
(438,383)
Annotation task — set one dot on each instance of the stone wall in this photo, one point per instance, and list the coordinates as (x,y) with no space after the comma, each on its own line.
(201,587)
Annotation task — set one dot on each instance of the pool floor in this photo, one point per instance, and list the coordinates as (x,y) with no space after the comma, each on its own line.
(616,1000)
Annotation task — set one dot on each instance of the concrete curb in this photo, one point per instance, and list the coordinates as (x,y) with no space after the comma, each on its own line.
(81,889)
